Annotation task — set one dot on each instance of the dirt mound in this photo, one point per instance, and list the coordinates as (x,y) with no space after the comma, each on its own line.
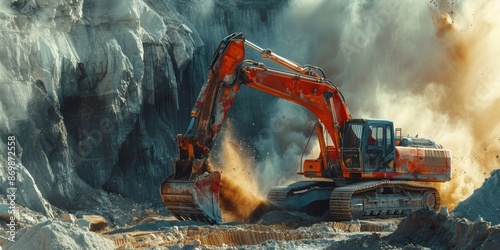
(54,234)
(427,228)
(484,202)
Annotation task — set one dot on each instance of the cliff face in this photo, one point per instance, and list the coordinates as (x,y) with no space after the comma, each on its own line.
(95,91)
(136,89)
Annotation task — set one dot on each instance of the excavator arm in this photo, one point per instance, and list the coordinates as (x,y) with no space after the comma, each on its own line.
(229,69)
(191,192)
(317,94)
(210,110)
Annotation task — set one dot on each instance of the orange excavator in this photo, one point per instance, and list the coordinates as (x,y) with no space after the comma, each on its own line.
(365,169)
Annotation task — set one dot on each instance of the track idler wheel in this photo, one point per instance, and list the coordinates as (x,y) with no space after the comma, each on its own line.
(429,200)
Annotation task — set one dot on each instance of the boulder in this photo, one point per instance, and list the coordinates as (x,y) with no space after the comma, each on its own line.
(4,212)
(83,223)
(67,217)
(97,222)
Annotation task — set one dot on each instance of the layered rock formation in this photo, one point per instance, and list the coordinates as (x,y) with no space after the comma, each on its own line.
(96,91)
(92,91)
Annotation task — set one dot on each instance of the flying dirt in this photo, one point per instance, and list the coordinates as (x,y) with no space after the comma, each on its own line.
(366,164)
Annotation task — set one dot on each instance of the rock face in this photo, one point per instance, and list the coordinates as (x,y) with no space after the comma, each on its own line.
(95,91)
(92,92)
(121,126)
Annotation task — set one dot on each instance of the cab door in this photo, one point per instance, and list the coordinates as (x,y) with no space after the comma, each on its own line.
(378,147)
(352,144)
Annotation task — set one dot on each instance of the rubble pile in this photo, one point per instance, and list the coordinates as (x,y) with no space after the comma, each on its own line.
(429,229)
(484,202)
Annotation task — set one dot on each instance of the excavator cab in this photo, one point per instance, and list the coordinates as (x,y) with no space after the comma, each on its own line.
(368,145)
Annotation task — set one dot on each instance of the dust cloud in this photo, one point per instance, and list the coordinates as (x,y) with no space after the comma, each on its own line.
(247,177)
(282,142)
(240,196)
(432,68)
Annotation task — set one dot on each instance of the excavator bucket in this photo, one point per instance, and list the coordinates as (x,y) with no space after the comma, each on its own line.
(196,199)
(192,191)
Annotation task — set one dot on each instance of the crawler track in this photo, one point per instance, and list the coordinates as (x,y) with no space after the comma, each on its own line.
(381,199)
(363,200)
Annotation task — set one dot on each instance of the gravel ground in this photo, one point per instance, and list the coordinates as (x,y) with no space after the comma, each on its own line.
(149,225)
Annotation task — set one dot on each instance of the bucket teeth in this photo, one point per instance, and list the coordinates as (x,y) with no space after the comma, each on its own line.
(196,199)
